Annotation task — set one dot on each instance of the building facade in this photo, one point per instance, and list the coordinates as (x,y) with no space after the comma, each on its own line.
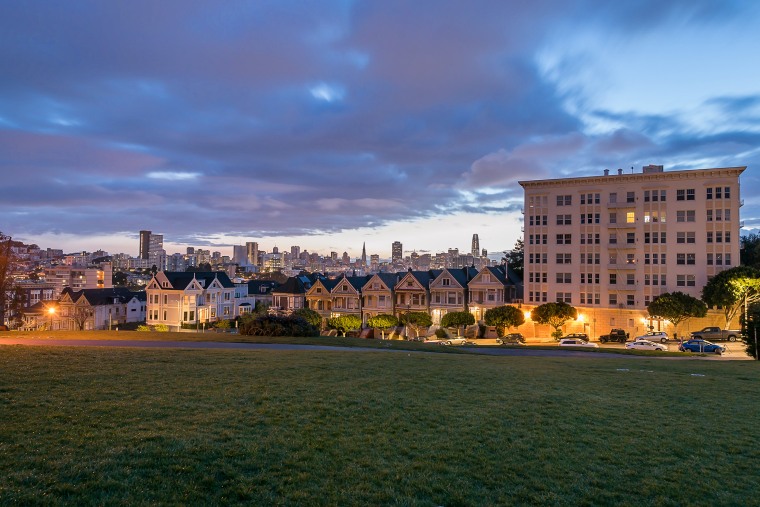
(610,244)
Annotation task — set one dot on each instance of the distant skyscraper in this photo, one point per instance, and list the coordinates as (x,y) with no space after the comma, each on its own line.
(295,251)
(144,244)
(364,254)
(397,251)
(252,253)
(475,245)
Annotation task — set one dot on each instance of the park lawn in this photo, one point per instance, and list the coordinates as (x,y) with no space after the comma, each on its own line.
(83,426)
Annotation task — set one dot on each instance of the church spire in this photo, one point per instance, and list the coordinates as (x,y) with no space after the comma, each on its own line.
(364,254)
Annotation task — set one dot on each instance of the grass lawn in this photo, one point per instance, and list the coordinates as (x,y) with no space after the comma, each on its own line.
(99,426)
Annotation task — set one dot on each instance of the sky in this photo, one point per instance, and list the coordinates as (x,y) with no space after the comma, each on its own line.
(333,123)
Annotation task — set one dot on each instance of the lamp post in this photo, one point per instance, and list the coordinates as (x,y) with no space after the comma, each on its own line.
(51,312)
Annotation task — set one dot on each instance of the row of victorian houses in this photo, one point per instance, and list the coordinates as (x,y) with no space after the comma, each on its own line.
(199,299)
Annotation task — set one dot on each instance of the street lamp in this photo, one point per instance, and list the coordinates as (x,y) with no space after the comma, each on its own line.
(51,312)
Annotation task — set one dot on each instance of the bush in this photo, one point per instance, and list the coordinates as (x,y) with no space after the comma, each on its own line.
(441,333)
(222,324)
(161,328)
(143,328)
(310,316)
(272,325)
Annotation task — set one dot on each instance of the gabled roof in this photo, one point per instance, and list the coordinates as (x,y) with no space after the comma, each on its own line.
(357,282)
(294,285)
(423,277)
(180,280)
(101,297)
(327,283)
(458,274)
(261,286)
(388,279)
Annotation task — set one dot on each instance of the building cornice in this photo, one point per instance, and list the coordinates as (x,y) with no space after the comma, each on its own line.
(617,179)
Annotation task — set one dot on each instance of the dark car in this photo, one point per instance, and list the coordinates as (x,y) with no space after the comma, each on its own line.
(511,339)
(576,336)
(701,346)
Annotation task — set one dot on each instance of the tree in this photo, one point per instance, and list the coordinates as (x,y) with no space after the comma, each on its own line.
(15,308)
(753,323)
(310,316)
(345,323)
(6,270)
(515,258)
(732,289)
(676,307)
(81,315)
(504,317)
(555,315)
(750,250)
(119,279)
(383,321)
(415,321)
(456,319)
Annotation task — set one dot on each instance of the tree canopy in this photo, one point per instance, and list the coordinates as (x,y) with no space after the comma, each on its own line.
(345,323)
(750,250)
(515,258)
(416,320)
(310,316)
(555,315)
(383,321)
(455,319)
(676,307)
(732,289)
(504,317)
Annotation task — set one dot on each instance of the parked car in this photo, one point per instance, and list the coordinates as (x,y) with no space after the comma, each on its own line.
(615,335)
(577,336)
(457,341)
(640,344)
(654,336)
(434,341)
(577,342)
(701,346)
(511,339)
(717,334)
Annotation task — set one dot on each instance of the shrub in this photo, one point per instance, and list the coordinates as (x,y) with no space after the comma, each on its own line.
(273,325)
(345,323)
(310,316)
(441,333)
(143,328)
(222,324)
(161,328)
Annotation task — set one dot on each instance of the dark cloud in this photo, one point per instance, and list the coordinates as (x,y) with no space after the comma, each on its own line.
(288,118)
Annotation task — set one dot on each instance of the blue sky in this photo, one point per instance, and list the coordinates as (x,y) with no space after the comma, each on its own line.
(333,123)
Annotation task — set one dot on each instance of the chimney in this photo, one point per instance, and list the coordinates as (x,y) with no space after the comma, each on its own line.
(606,172)
(620,171)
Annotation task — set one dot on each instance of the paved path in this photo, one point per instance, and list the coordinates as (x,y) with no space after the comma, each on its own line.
(490,351)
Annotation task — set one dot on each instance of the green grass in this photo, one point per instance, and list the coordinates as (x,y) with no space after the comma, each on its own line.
(134,426)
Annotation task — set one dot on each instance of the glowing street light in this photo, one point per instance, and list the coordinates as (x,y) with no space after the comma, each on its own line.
(51,312)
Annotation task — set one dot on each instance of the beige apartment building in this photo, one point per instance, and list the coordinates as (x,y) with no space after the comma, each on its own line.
(610,244)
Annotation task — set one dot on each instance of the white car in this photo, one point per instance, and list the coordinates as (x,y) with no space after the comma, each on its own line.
(577,342)
(456,341)
(640,344)
(654,336)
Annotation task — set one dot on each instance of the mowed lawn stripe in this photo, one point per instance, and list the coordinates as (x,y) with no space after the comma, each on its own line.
(132,426)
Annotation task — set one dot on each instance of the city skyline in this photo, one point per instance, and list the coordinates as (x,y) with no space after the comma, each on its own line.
(311,125)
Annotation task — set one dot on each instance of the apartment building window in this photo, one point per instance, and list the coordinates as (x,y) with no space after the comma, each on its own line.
(613,238)
(538,220)
(613,258)
(727,215)
(630,217)
(565,297)
(630,279)
(718,215)
(654,195)
(537,277)
(564,200)
(717,192)
(709,215)
(613,218)
(685,237)
(630,197)
(646,258)
(647,279)
(727,259)
(590,278)
(613,299)
(565,219)
(590,198)
(709,236)
(719,236)
(685,194)
(564,278)
(728,237)
(681,258)
(630,301)
(613,278)
(685,215)
(686,280)
(709,259)
(709,193)
(564,258)
(613,198)
(564,239)
(590,239)
(630,258)
(630,238)
(647,197)
(727,193)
